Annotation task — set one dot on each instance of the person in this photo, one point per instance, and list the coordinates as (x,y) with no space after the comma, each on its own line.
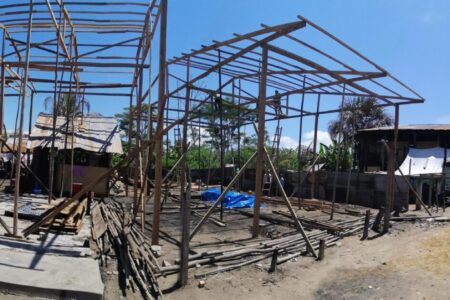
(267,179)
(282,181)
(276,102)
(217,102)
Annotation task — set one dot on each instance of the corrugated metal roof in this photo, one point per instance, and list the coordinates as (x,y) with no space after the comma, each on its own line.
(436,127)
(13,144)
(92,133)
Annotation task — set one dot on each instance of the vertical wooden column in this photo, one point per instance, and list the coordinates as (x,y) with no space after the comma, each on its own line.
(159,125)
(392,158)
(2,85)
(260,149)
(137,197)
(339,146)
(316,128)
(419,192)
(239,134)
(185,191)
(30,125)
(54,117)
(222,139)
(299,152)
(22,109)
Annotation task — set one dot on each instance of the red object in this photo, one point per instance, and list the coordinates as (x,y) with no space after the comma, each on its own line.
(76,187)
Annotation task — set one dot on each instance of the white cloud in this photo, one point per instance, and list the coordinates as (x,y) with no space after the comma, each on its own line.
(289,142)
(431,16)
(322,137)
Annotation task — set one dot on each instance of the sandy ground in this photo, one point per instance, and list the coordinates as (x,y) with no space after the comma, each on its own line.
(412,262)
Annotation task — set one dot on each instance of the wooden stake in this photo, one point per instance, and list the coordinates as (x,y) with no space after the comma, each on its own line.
(321,250)
(273,263)
(366,225)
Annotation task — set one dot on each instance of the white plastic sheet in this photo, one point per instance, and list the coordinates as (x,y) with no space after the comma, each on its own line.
(423,161)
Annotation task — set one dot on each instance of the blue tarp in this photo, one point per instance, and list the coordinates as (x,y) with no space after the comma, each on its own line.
(231,200)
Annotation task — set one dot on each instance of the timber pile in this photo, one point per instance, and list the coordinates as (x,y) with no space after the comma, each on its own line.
(311,223)
(307,204)
(286,248)
(112,229)
(69,220)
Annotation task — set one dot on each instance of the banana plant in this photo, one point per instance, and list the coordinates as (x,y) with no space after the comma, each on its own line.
(330,156)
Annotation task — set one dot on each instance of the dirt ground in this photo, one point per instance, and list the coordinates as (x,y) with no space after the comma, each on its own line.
(412,262)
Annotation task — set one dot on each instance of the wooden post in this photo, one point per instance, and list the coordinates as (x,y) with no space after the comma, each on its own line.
(2,85)
(366,225)
(30,124)
(316,128)
(22,108)
(390,195)
(260,149)
(185,198)
(419,192)
(321,250)
(299,150)
(336,169)
(430,192)
(222,140)
(54,118)
(273,263)
(159,125)
(349,175)
(379,216)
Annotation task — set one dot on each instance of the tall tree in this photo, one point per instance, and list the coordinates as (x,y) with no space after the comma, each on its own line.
(358,113)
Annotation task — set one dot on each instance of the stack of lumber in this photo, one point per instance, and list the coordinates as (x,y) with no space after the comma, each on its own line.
(307,204)
(69,220)
(315,204)
(311,223)
(286,248)
(112,228)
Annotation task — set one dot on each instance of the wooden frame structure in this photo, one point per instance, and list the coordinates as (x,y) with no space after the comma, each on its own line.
(57,47)
(246,68)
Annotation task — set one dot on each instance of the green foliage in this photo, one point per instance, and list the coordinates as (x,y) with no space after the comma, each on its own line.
(330,155)
(358,113)
(124,120)
(68,105)
(202,158)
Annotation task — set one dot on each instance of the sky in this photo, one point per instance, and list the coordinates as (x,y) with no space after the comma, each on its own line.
(410,38)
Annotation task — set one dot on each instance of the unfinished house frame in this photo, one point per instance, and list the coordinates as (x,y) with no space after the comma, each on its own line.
(56,48)
(252,70)
(247,69)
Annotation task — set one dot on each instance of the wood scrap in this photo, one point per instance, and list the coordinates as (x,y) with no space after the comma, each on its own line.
(139,265)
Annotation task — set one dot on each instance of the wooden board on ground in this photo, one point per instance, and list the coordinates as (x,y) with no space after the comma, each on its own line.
(98,223)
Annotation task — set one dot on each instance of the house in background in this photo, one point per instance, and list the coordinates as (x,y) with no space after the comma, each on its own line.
(422,154)
(370,152)
(94,140)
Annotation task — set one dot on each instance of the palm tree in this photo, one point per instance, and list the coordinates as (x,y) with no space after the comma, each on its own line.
(358,113)
(68,105)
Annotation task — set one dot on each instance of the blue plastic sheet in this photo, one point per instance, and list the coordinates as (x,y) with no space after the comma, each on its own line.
(231,200)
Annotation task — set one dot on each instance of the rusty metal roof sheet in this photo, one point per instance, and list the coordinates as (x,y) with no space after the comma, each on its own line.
(91,133)
(435,127)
